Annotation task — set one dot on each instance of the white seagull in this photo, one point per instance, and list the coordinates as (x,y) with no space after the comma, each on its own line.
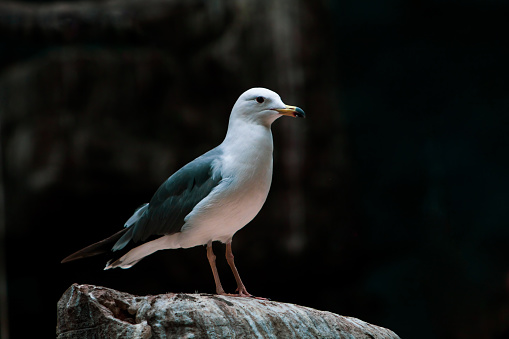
(210,198)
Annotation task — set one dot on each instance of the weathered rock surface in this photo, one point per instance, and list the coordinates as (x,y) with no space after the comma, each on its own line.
(87,311)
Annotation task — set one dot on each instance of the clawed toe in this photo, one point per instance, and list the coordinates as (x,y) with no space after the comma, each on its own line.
(242,294)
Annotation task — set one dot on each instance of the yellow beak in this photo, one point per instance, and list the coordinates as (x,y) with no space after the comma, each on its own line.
(292,111)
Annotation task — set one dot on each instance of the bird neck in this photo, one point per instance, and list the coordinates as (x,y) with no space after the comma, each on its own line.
(243,135)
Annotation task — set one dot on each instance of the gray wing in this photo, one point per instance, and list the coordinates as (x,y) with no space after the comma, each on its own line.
(174,199)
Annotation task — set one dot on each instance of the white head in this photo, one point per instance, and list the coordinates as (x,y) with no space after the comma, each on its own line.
(262,106)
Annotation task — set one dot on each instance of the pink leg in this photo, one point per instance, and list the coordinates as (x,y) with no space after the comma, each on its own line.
(212,262)
(241,289)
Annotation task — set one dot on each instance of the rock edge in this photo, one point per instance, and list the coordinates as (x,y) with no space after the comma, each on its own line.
(88,311)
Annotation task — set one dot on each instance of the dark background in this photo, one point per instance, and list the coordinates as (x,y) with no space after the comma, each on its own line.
(389,203)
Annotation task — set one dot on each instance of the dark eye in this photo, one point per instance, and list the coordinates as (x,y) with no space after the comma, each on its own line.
(260,100)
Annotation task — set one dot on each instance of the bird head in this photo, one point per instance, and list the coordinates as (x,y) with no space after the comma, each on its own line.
(263,106)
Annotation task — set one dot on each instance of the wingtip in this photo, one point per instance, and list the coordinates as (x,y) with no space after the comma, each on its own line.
(69,258)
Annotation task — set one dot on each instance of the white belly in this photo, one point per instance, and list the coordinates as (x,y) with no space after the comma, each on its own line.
(246,171)
(220,221)
(229,207)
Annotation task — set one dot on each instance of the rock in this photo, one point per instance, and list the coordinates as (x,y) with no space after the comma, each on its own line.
(87,311)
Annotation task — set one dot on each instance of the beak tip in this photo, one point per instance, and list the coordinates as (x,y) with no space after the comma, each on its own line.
(299,113)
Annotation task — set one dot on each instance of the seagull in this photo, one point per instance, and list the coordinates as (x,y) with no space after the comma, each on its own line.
(210,198)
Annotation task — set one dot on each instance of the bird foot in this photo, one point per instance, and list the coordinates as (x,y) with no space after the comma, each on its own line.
(242,293)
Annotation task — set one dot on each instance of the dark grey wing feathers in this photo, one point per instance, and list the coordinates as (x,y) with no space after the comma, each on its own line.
(136,216)
(174,199)
(99,247)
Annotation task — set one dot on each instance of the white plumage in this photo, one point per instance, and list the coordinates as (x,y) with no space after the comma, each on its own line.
(215,195)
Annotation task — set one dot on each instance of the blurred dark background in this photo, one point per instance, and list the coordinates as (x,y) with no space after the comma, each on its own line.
(389,203)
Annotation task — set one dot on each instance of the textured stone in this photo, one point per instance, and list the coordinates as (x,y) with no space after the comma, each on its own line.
(87,311)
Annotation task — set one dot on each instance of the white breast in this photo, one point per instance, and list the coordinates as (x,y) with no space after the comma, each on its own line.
(246,169)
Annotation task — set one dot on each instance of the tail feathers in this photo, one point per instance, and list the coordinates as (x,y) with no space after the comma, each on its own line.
(120,264)
(133,256)
(136,254)
(100,247)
